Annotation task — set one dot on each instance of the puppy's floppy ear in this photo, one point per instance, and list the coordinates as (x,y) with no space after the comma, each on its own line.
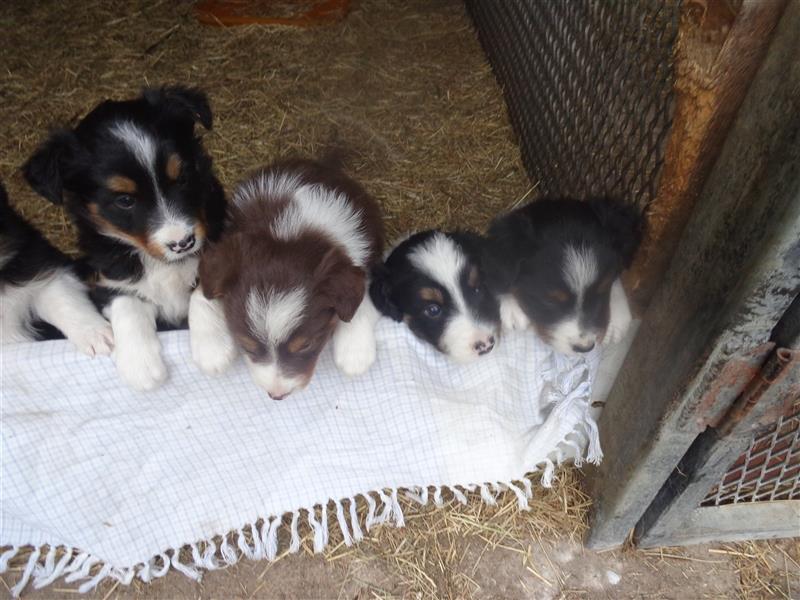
(623,222)
(48,167)
(219,266)
(183,102)
(341,282)
(380,292)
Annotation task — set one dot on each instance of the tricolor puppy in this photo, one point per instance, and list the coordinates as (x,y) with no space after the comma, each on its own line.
(556,264)
(433,282)
(39,284)
(290,272)
(139,186)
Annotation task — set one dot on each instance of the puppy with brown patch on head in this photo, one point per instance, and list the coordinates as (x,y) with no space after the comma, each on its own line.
(289,273)
(139,186)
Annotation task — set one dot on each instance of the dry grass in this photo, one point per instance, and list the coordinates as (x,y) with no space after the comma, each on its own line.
(406,90)
(438,554)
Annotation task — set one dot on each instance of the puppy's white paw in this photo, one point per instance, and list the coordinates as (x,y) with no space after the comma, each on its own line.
(141,367)
(211,353)
(96,339)
(354,355)
(512,317)
(620,317)
(617,328)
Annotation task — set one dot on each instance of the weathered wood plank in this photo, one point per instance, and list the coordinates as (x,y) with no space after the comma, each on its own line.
(735,272)
(765,520)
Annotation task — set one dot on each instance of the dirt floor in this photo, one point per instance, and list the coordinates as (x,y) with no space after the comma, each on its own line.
(404,86)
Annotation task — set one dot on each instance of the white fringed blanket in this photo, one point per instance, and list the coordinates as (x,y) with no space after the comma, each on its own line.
(106,482)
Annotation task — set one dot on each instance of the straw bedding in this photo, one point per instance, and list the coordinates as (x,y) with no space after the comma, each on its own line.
(404,86)
(406,91)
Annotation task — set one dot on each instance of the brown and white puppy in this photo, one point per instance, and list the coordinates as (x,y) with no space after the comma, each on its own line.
(289,273)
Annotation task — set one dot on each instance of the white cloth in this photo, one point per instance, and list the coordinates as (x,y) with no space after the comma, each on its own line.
(119,477)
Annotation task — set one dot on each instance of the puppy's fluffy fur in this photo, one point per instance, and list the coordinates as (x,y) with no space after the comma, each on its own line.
(556,264)
(290,272)
(39,284)
(433,282)
(139,186)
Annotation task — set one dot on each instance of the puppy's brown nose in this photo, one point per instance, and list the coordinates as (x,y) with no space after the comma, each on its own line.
(484,346)
(277,396)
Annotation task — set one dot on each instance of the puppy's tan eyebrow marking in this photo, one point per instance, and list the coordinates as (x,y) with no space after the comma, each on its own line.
(249,344)
(297,343)
(558,295)
(121,184)
(431,294)
(174,164)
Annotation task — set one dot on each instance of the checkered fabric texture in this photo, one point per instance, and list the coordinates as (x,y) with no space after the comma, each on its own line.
(119,477)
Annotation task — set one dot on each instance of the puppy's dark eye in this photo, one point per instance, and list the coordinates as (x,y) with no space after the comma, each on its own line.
(182,179)
(432,311)
(125,202)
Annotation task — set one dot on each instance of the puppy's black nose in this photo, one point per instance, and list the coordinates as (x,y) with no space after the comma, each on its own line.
(184,245)
(484,347)
(278,397)
(586,348)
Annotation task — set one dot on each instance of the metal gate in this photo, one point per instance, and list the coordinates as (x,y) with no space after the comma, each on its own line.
(604,100)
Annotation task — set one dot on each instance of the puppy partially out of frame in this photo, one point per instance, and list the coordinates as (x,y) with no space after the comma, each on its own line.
(139,186)
(38,284)
(556,264)
(290,272)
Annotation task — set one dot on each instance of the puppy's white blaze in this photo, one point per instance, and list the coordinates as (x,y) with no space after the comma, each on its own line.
(579,268)
(139,142)
(269,377)
(145,149)
(442,260)
(274,316)
(317,208)
(267,187)
(460,336)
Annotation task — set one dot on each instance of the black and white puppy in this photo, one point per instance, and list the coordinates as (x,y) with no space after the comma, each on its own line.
(556,264)
(434,283)
(39,284)
(139,186)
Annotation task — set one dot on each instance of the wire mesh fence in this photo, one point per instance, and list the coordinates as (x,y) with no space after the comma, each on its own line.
(589,88)
(768,470)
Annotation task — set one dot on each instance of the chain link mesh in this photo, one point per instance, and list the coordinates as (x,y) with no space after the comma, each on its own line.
(589,87)
(768,470)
